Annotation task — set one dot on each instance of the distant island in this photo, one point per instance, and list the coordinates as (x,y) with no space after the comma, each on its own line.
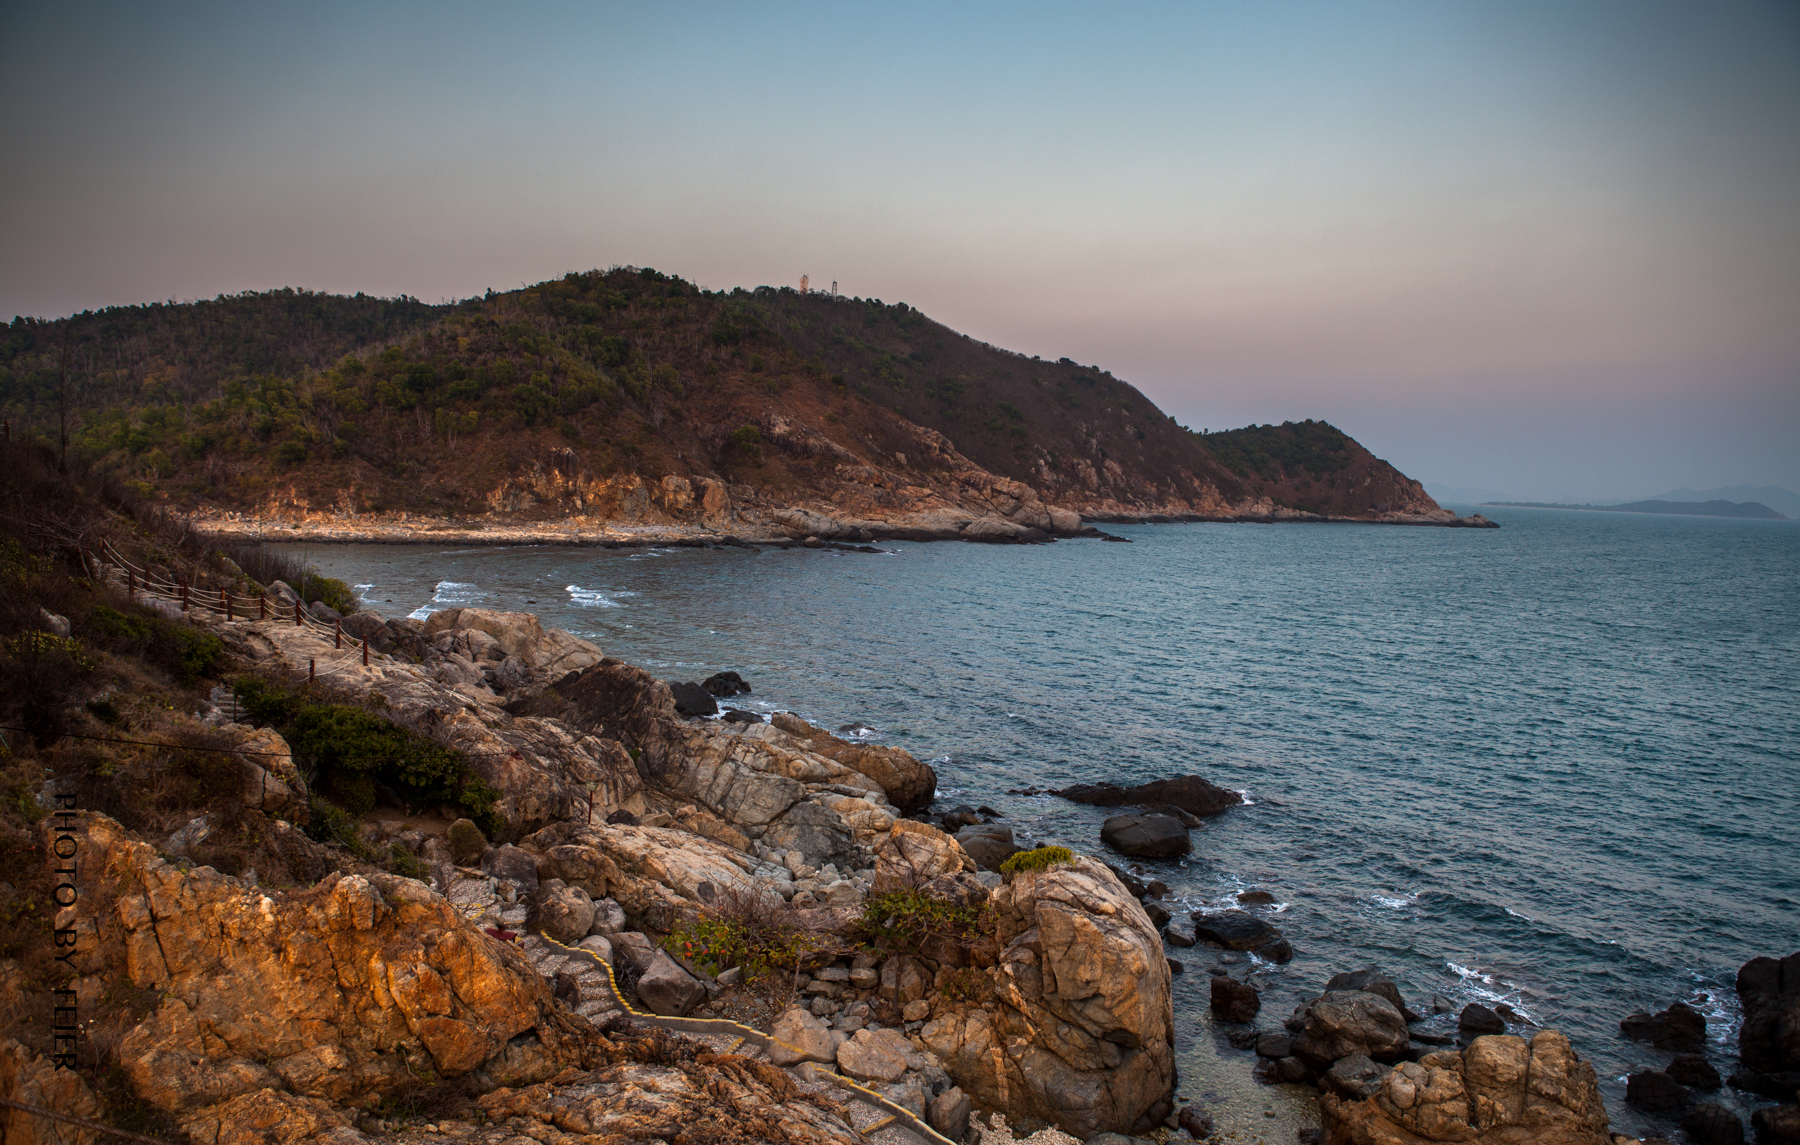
(1751,510)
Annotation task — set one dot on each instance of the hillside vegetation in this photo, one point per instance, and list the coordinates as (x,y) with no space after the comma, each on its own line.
(369,406)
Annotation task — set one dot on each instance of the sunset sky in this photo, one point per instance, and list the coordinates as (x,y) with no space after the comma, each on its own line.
(1548,250)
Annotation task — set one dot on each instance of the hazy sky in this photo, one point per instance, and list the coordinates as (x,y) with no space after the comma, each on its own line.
(1547,249)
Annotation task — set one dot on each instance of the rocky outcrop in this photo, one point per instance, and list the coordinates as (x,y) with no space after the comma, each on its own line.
(543,653)
(1499,1091)
(1189,792)
(35,1080)
(908,783)
(1241,930)
(1340,1023)
(1769,1039)
(338,993)
(1081,1034)
(1680,1027)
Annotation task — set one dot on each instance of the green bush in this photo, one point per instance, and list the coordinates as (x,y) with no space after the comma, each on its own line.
(901,919)
(352,750)
(742,928)
(186,653)
(332,824)
(1039,860)
(328,590)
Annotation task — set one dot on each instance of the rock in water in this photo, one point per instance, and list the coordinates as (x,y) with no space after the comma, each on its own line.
(1146,836)
(1236,930)
(1499,1091)
(1372,981)
(1769,1039)
(1477,1020)
(693,700)
(739,716)
(1189,792)
(1710,1124)
(1655,1091)
(1693,1070)
(1680,1027)
(1235,1001)
(1777,1125)
(667,989)
(726,684)
(1345,1022)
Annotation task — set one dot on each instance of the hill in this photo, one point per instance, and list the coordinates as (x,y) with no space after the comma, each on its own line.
(1783,501)
(630,396)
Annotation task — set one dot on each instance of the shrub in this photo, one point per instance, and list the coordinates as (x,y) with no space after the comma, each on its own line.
(186,653)
(900,919)
(354,751)
(1039,860)
(743,928)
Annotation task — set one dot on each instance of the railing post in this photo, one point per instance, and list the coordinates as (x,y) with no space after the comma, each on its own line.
(262,608)
(312,670)
(296,614)
(337,634)
(184,596)
(230,614)
(365,653)
(131,579)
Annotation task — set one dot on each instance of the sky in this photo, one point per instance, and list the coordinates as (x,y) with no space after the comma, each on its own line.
(1538,250)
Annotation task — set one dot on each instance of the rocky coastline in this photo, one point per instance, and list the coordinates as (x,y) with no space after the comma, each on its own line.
(626,818)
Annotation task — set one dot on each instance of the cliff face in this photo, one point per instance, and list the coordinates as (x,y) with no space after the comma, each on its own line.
(629,396)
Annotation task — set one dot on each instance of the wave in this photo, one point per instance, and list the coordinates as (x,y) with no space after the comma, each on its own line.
(590,597)
(448,594)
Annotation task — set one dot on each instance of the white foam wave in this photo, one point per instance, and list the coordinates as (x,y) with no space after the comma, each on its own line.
(1487,989)
(1244,793)
(448,594)
(590,597)
(1393,902)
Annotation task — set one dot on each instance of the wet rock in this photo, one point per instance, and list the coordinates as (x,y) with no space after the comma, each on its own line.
(665,988)
(1196,1121)
(1655,1091)
(1146,836)
(1138,887)
(1237,930)
(1777,1125)
(1372,981)
(1694,1071)
(1235,1001)
(738,716)
(726,684)
(1255,898)
(1159,915)
(989,844)
(1499,1091)
(1354,1077)
(1711,1124)
(1188,792)
(1680,1027)
(1274,1045)
(1294,1070)
(693,700)
(1476,1020)
(1441,1004)
(1345,1022)
(1179,932)
(1769,1039)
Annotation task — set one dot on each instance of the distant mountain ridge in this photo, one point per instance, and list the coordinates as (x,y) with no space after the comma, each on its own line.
(1781,500)
(629,395)
(1746,510)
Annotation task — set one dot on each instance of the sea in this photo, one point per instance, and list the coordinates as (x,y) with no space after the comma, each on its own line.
(1555,765)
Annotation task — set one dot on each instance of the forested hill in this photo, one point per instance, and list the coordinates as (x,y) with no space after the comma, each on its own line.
(626,377)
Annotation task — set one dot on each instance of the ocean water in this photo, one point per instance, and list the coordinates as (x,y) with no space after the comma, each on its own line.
(1555,764)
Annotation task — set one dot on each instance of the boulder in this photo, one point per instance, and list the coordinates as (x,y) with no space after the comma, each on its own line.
(1274,1046)
(949,1112)
(549,654)
(1235,1001)
(1081,1030)
(1372,981)
(1477,1019)
(989,844)
(563,912)
(1712,1124)
(1188,792)
(1655,1091)
(1694,1071)
(908,783)
(739,716)
(801,1037)
(282,591)
(725,685)
(609,918)
(508,863)
(1777,1125)
(1235,930)
(1146,836)
(874,1055)
(1499,1091)
(1680,1027)
(917,853)
(1769,1039)
(1196,1121)
(634,949)
(693,700)
(1344,1022)
(667,989)
(1354,1077)
(272,784)
(1255,898)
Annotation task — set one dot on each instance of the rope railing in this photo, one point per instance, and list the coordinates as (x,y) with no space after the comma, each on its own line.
(141,580)
(87,1123)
